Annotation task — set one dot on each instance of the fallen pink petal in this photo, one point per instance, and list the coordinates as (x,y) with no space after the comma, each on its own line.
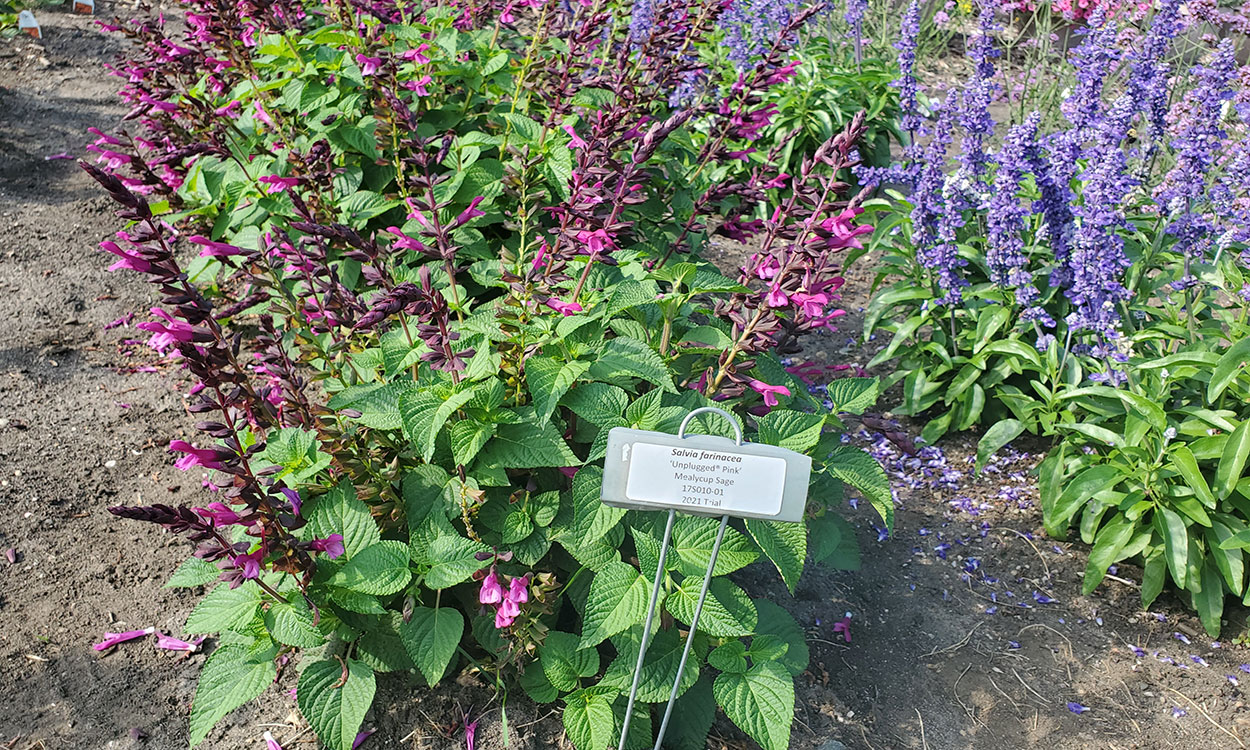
(112,639)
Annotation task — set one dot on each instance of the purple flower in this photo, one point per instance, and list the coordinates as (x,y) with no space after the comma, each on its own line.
(209,458)
(112,639)
(1041,598)
(169,643)
(368,65)
(564,308)
(974,105)
(518,590)
(1178,712)
(220,514)
(1077,708)
(275,184)
(248,565)
(361,737)
(215,249)
(332,545)
(1006,215)
(769,392)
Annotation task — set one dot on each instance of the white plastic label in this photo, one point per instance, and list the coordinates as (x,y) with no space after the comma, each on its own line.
(723,482)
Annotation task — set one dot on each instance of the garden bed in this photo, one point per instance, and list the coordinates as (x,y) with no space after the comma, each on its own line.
(83,425)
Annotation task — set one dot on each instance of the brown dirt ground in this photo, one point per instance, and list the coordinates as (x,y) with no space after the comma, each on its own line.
(928,666)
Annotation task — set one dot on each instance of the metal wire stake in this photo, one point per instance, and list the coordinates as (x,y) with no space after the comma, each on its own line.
(694,625)
(646,628)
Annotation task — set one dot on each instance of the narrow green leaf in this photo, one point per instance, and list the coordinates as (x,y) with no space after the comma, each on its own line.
(1107,545)
(1184,461)
(1077,492)
(1233,461)
(1229,366)
(1176,543)
(1210,600)
(1003,432)
(1153,575)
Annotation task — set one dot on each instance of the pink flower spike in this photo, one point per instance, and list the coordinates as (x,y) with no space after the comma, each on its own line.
(206,457)
(491,592)
(332,545)
(169,643)
(221,514)
(270,742)
(361,737)
(769,392)
(112,639)
(576,142)
(564,308)
(404,242)
(469,213)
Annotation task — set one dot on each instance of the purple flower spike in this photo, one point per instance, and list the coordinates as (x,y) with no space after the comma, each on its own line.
(1077,708)
(112,639)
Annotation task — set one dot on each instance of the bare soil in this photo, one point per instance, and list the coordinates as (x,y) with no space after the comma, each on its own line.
(942,656)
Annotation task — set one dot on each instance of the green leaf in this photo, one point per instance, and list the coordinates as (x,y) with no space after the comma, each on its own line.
(623,358)
(730,656)
(693,538)
(292,624)
(363,205)
(431,637)
(727,612)
(1233,461)
(564,662)
(860,470)
(1184,461)
(425,413)
(1098,434)
(335,709)
(831,540)
(1227,369)
(785,544)
(1210,601)
(453,559)
(1107,545)
(760,701)
(790,429)
(591,518)
(224,608)
(659,668)
(1153,574)
(693,716)
(380,569)
(536,685)
(527,446)
(776,622)
(193,572)
(588,718)
(468,437)
(548,380)
(1077,492)
(852,395)
(1003,432)
(340,512)
(232,676)
(378,404)
(598,403)
(1176,543)
(617,601)
(380,646)
(528,130)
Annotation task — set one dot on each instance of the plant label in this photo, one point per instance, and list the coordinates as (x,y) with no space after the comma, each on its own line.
(704,475)
(84,6)
(27,24)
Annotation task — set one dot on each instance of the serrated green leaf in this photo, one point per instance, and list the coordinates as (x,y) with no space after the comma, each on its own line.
(785,544)
(591,518)
(549,379)
(536,685)
(860,470)
(380,569)
(292,623)
(232,676)
(340,512)
(729,657)
(335,708)
(354,601)
(598,403)
(760,701)
(431,637)
(618,600)
(659,667)
(468,437)
(224,608)
(193,572)
(527,446)
(852,395)
(365,204)
(381,647)
(693,539)
(777,622)
(727,612)
(378,404)
(564,662)
(693,716)
(588,718)
(790,429)
(624,358)
(424,414)
(453,559)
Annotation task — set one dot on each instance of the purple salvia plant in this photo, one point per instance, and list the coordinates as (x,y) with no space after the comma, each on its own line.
(973,111)
(1005,215)
(1148,76)
(932,217)
(906,83)
(1198,138)
(751,25)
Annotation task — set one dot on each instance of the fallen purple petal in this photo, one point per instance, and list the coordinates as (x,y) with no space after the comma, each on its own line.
(169,643)
(1178,712)
(112,639)
(270,742)
(360,738)
(1077,708)
(1181,637)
